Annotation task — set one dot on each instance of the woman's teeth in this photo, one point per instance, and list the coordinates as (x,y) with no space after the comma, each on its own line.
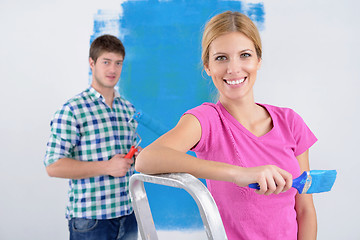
(235,81)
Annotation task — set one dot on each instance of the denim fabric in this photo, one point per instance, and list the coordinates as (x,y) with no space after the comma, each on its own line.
(122,228)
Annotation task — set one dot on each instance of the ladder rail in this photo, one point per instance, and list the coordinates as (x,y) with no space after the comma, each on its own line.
(209,212)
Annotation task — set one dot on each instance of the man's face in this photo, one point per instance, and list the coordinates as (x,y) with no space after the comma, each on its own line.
(106,70)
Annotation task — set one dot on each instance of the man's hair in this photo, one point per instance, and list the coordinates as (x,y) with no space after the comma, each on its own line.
(106,43)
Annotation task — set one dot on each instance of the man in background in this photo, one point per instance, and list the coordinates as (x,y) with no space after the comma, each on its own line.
(90,136)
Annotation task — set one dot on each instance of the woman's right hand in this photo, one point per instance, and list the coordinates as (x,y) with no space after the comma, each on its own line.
(272,179)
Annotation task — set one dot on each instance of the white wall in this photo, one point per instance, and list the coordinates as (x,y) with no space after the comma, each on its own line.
(311,51)
(311,64)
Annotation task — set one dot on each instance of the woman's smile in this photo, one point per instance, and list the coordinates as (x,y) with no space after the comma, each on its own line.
(235,82)
(233,65)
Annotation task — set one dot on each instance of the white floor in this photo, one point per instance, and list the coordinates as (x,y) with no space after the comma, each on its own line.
(181,235)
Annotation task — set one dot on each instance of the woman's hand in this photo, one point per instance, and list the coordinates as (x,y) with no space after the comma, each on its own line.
(271,179)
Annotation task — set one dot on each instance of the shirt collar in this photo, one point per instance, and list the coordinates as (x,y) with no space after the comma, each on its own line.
(95,95)
(116,93)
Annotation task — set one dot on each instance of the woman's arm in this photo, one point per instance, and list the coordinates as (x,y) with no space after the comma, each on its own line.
(168,155)
(304,206)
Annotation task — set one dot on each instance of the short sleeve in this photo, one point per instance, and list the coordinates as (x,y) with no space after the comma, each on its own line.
(64,136)
(206,115)
(303,136)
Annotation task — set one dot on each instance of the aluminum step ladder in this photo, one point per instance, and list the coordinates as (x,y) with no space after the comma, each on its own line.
(209,212)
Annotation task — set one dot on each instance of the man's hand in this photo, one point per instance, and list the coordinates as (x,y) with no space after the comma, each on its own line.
(139,149)
(118,165)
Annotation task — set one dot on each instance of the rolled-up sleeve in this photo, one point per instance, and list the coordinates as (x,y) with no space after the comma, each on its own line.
(64,136)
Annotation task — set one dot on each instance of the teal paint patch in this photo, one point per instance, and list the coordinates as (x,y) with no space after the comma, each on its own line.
(162,75)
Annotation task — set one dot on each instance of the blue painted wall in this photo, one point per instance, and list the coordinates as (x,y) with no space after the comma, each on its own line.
(162,75)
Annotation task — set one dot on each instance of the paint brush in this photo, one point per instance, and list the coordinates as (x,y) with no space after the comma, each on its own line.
(314,181)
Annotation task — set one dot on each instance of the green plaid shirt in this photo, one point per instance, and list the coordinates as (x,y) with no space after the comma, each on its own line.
(86,129)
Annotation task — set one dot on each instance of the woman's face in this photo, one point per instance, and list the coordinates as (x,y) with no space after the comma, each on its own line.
(233,65)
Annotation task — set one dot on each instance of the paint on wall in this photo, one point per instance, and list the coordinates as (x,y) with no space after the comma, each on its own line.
(162,75)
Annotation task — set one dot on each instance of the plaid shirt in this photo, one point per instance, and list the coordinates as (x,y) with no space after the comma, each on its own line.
(86,129)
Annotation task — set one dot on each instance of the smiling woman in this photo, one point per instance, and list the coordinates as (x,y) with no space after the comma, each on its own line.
(233,65)
(161,71)
(238,142)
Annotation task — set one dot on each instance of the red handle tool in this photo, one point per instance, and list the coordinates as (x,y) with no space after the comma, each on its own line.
(133,148)
(131,153)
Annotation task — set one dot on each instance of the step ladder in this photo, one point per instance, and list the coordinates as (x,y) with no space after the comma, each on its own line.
(209,212)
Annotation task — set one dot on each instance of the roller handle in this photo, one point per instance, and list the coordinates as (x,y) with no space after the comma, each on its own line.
(131,153)
(254,186)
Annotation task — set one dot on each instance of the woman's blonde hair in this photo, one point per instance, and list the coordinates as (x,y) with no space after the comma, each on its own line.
(227,22)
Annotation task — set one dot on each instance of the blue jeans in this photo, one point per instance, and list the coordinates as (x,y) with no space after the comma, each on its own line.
(122,228)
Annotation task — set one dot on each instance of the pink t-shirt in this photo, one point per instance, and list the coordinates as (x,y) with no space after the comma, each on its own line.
(246,214)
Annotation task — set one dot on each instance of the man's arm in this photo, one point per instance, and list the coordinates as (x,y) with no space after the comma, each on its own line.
(70,168)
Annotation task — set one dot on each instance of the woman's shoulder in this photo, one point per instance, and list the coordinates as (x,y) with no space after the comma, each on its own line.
(280,111)
(206,109)
(206,105)
(284,115)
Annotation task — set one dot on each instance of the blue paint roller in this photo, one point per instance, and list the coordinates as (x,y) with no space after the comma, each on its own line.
(152,124)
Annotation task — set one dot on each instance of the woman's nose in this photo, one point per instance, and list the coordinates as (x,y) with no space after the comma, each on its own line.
(233,66)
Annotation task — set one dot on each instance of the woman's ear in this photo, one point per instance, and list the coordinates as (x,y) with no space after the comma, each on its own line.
(259,63)
(207,70)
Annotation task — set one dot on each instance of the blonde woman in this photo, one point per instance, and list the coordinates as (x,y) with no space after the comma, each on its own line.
(238,141)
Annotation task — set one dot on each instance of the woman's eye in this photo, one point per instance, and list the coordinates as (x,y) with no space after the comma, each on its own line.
(245,55)
(220,58)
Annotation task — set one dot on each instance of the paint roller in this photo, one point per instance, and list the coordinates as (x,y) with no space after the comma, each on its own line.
(152,124)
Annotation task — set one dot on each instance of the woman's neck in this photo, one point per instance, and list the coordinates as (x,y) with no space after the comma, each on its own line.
(253,117)
(241,109)
(244,112)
